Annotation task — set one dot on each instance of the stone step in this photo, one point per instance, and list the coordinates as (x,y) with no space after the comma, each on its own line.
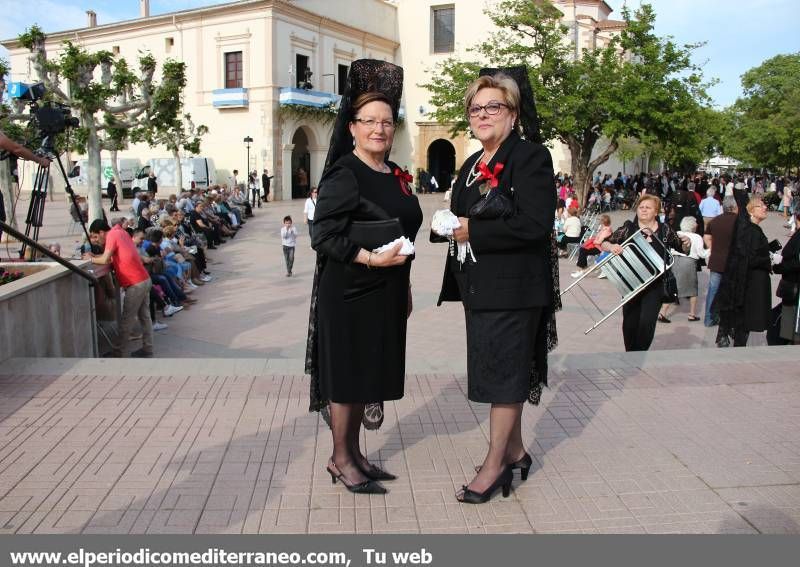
(294,366)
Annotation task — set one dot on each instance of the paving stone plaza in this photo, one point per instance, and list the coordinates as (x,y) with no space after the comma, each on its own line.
(213,435)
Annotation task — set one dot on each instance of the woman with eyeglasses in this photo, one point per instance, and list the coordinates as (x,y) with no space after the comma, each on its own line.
(361,298)
(744,297)
(505,203)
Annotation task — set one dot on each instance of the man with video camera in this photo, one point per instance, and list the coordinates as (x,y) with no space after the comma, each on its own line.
(12,147)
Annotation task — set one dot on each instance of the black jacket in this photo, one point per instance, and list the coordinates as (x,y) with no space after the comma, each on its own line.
(513,254)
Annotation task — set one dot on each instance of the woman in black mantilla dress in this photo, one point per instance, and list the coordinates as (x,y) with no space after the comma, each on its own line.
(361,299)
(510,289)
(744,297)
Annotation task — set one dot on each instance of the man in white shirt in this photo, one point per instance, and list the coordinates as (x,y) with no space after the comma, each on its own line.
(308,211)
(710,207)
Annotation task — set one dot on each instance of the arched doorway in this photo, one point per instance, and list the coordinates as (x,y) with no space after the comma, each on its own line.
(442,162)
(301,159)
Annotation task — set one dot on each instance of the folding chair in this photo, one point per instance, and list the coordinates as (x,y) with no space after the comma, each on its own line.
(630,271)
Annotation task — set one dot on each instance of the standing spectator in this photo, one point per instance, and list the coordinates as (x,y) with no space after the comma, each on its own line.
(685,269)
(289,241)
(252,186)
(710,207)
(265,183)
(119,250)
(111,190)
(434,184)
(788,266)
(718,237)
(309,209)
(235,178)
(744,296)
(152,184)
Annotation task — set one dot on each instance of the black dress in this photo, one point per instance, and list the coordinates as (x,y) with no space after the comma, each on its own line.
(359,334)
(744,297)
(508,292)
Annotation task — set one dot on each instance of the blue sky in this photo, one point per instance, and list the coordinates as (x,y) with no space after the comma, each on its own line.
(739,34)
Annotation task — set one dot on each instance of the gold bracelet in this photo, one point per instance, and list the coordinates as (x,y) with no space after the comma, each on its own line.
(369,261)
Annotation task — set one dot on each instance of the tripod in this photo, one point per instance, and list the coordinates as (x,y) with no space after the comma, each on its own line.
(33,220)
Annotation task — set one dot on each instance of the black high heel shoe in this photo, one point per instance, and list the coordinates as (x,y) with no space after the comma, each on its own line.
(503,481)
(524,465)
(366,487)
(377,473)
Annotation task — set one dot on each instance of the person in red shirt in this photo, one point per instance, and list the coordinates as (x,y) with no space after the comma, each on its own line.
(120,251)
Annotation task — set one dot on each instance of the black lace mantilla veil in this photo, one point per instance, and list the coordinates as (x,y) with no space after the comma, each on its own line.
(366,75)
(529,123)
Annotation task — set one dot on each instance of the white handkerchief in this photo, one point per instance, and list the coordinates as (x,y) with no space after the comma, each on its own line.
(406,250)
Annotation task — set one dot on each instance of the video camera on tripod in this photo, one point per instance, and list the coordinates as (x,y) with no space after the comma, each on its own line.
(50,119)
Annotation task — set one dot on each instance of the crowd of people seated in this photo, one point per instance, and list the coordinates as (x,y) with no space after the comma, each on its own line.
(172,236)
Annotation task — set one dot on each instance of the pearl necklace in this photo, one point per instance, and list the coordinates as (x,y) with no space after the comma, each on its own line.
(383,167)
(474,174)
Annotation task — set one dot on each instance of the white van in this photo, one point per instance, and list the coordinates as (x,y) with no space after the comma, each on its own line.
(197,173)
(128,168)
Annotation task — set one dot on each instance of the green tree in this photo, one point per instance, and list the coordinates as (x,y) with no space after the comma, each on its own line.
(107,96)
(167,125)
(638,86)
(764,124)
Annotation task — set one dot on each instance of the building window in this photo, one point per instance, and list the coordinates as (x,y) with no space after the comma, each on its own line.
(168,43)
(233,70)
(300,64)
(342,79)
(115,50)
(443,25)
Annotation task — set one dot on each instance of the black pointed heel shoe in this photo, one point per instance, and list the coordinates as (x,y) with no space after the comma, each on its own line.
(524,465)
(503,481)
(377,473)
(366,487)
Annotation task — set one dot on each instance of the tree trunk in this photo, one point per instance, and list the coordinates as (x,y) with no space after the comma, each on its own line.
(115,170)
(178,170)
(7,189)
(93,173)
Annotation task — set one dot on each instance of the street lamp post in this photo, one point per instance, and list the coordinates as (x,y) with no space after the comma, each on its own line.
(248,140)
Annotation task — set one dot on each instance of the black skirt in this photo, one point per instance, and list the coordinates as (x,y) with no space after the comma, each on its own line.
(362,333)
(501,346)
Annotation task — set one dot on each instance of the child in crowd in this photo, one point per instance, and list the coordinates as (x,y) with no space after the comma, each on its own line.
(289,241)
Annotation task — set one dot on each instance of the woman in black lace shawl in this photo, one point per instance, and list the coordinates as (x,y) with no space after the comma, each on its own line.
(744,296)
(360,299)
(505,200)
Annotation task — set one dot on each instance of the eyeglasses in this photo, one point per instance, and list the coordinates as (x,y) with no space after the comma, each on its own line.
(491,109)
(371,123)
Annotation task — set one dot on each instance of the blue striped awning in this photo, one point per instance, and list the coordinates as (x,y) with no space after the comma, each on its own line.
(229,98)
(318,99)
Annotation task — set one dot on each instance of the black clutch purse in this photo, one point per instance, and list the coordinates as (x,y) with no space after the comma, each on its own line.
(494,205)
(374,234)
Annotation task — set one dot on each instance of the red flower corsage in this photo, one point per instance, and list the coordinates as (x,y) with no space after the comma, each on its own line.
(404,179)
(491,176)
